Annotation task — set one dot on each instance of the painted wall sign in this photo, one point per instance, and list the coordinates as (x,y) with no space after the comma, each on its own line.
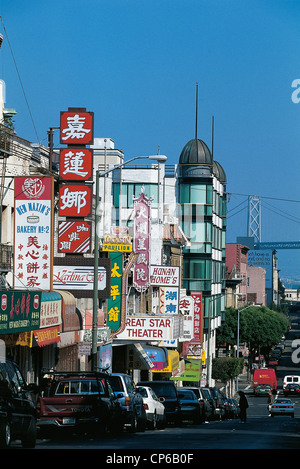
(33,232)
(74,237)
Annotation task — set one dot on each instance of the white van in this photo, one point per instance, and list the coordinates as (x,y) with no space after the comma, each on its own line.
(290,379)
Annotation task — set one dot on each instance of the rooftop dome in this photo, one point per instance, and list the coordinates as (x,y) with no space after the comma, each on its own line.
(196,152)
(219,172)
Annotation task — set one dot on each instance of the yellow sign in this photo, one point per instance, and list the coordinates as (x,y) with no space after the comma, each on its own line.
(116,247)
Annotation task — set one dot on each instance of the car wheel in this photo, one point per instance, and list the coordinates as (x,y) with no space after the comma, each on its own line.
(162,423)
(154,422)
(29,439)
(5,435)
(134,424)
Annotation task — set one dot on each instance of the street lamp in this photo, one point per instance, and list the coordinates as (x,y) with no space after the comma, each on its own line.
(238,335)
(159,159)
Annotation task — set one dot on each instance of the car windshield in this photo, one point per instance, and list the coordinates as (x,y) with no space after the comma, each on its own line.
(164,390)
(282,401)
(186,395)
(116,383)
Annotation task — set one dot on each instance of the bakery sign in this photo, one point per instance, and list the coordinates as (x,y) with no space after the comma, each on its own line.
(33,232)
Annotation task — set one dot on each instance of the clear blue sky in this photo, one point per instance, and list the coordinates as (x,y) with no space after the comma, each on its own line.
(135,63)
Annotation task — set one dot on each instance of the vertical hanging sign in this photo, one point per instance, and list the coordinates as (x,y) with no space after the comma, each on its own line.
(33,233)
(142,212)
(76,167)
(197,297)
(113,320)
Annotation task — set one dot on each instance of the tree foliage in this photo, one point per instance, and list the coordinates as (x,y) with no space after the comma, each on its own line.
(227,368)
(261,328)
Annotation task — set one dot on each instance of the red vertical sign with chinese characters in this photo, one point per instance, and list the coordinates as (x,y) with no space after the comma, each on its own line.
(76,167)
(142,232)
(33,233)
(198,327)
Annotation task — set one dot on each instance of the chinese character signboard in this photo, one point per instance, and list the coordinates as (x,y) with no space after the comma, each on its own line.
(76,127)
(142,231)
(114,302)
(74,236)
(76,167)
(33,232)
(76,164)
(186,309)
(75,200)
(168,300)
(197,297)
(20,311)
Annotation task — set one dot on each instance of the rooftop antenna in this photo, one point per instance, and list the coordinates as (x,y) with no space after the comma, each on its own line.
(212,136)
(196,123)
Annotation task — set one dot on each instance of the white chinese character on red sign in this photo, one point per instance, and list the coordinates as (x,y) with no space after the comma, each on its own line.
(75,129)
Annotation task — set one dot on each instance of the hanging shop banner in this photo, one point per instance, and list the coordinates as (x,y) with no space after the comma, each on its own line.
(186,309)
(162,276)
(192,371)
(76,127)
(47,336)
(114,302)
(24,339)
(76,164)
(74,237)
(33,232)
(141,243)
(20,311)
(75,200)
(51,309)
(197,339)
(168,298)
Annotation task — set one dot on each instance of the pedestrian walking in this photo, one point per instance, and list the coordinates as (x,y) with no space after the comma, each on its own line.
(270,401)
(243,405)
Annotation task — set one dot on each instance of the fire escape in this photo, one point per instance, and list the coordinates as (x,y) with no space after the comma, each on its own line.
(6,250)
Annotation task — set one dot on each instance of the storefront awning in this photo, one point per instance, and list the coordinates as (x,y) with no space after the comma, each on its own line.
(192,371)
(51,309)
(173,363)
(137,358)
(70,314)
(158,356)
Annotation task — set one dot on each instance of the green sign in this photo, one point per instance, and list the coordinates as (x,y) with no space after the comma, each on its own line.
(113,320)
(192,371)
(19,311)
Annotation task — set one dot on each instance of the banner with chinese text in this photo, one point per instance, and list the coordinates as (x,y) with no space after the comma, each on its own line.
(33,232)
(115,301)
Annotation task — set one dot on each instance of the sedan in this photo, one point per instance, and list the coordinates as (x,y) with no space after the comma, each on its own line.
(262,390)
(282,407)
(190,406)
(292,388)
(155,410)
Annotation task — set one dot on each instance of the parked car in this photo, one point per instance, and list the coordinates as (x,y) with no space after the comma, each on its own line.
(78,401)
(262,390)
(190,406)
(167,393)
(133,412)
(17,408)
(206,392)
(234,410)
(282,407)
(226,404)
(291,388)
(220,408)
(206,413)
(155,410)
